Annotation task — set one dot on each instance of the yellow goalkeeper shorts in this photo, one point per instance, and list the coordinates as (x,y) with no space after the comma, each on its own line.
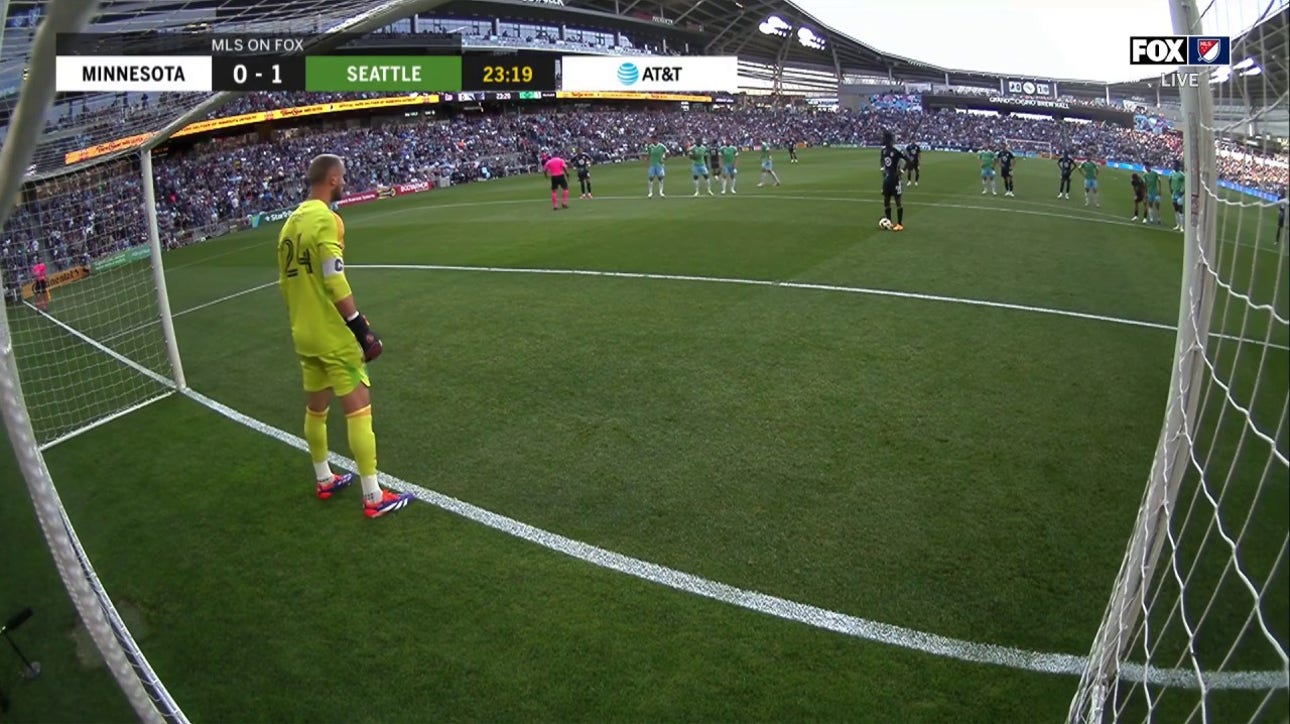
(342,371)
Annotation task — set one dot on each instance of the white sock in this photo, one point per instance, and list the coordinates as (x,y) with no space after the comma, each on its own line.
(322,472)
(371,489)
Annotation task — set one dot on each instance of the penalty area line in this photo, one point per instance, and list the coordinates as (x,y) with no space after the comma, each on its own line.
(189,310)
(815,287)
(1051,663)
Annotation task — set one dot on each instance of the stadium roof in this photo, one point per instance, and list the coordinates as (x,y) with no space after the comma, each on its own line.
(1265,46)
(778,31)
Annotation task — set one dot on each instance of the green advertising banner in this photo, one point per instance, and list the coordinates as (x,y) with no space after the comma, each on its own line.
(121,258)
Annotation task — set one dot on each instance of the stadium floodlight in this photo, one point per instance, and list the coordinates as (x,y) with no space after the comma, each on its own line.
(1243,64)
(810,39)
(775,25)
(102,342)
(1204,584)
(1220,75)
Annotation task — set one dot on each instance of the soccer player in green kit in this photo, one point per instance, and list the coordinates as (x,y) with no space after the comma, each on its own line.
(987,171)
(657,152)
(767,166)
(1089,169)
(1177,187)
(699,166)
(1152,179)
(729,152)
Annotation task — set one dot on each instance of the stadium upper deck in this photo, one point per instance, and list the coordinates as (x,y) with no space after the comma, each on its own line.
(781,46)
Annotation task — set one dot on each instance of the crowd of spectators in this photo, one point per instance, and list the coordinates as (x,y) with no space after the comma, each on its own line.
(72,219)
(221,183)
(896,102)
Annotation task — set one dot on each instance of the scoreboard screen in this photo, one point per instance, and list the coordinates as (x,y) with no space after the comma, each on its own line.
(256,62)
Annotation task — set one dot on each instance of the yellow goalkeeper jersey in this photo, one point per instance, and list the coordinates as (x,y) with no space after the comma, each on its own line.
(311,275)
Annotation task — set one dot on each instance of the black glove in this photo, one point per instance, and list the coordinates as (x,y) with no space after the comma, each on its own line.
(367,339)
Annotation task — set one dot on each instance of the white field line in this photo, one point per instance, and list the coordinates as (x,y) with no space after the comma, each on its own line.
(190,310)
(748,282)
(815,616)
(1093,217)
(816,287)
(752,600)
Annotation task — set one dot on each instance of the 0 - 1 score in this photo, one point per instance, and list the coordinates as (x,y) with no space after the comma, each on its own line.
(258,73)
(241,74)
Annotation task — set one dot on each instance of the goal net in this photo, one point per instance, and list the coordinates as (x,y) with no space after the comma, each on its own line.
(87,339)
(87,334)
(1196,626)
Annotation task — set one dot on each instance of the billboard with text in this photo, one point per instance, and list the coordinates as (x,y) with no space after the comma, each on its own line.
(650,73)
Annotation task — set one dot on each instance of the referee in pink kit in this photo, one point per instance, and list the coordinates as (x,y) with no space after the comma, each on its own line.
(555,168)
(40,286)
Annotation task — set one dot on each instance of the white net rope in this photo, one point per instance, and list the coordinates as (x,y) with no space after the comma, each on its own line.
(89,231)
(92,347)
(1199,619)
(78,121)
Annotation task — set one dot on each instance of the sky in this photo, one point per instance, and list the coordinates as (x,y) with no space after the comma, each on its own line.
(1086,40)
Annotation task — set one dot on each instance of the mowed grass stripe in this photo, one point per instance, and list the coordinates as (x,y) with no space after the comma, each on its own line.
(927,465)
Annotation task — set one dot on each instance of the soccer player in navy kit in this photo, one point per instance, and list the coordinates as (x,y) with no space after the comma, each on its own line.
(1006,159)
(891,160)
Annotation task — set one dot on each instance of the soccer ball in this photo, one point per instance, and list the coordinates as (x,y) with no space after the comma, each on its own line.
(884,223)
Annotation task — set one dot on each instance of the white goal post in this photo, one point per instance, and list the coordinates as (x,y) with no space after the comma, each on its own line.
(99,342)
(1196,625)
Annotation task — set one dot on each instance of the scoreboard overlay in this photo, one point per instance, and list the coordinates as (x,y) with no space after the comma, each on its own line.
(430,71)
(256,62)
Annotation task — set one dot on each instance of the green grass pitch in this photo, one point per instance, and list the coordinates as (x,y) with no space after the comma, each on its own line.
(965,470)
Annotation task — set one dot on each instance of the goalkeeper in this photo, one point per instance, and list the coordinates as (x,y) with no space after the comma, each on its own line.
(333,341)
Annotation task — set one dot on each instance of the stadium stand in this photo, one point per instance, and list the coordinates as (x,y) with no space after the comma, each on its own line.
(785,50)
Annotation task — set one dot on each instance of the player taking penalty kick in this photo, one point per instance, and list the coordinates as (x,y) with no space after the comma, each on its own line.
(332,340)
(891,160)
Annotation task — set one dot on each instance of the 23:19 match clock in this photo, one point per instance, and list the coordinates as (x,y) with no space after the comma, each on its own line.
(522,72)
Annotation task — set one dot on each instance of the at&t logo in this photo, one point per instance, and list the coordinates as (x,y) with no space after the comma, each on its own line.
(628,73)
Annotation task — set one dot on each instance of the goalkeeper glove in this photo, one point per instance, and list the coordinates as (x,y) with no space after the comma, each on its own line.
(367,339)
